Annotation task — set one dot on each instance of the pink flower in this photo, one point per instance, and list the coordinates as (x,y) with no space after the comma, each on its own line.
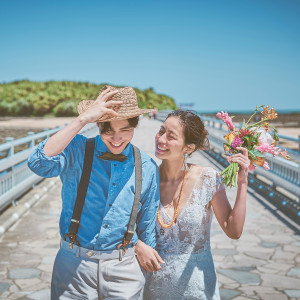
(264,138)
(219,115)
(226,119)
(266,165)
(236,142)
(265,148)
(251,167)
(284,153)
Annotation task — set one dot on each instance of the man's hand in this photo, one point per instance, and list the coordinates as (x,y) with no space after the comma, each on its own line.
(148,257)
(100,107)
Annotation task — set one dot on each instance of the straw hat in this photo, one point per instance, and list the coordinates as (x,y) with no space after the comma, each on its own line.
(128,109)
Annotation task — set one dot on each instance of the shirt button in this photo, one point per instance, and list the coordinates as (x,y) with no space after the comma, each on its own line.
(115,165)
(105,225)
(99,245)
(110,204)
(113,184)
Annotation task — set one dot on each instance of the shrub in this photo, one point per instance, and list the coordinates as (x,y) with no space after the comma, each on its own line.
(66,109)
(4,108)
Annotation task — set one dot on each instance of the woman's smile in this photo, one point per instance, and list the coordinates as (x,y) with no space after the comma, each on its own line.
(161,149)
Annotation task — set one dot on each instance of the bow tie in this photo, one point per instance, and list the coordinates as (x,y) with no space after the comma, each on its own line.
(111,156)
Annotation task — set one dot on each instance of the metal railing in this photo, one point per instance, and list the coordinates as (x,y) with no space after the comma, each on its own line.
(15,176)
(282,173)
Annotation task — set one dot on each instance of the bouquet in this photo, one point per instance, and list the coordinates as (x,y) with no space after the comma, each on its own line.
(256,138)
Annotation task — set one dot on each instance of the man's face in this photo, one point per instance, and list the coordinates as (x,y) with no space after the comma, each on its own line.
(118,136)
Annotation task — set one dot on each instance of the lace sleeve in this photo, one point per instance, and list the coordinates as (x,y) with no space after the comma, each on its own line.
(209,183)
(218,186)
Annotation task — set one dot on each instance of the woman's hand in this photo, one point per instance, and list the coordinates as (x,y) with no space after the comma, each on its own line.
(244,162)
(100,107)
(148,257)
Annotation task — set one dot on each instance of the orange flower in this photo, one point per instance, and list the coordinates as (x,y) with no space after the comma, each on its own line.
(226,148)
(229,137)
(265,111)
(273,115)
(269,114)
(266,124)
(260,161)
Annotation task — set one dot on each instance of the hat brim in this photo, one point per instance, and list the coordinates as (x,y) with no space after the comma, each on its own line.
(124,113)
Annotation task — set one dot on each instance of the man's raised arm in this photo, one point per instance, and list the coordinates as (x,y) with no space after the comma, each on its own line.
(59,141)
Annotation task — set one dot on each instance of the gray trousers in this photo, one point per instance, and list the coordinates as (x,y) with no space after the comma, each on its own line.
(81,273)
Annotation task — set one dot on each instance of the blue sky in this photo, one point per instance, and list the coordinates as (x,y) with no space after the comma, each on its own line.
(228,55)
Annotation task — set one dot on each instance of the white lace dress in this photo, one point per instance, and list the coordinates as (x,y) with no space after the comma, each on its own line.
(188,272)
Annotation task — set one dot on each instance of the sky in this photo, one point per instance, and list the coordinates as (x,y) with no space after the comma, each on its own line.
(220,55)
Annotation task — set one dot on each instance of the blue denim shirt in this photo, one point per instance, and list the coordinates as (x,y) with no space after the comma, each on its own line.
(110,193)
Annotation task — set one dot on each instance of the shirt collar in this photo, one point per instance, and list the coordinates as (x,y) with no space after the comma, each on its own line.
(102,148)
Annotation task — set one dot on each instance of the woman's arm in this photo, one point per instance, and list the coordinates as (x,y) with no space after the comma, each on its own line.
(232,219)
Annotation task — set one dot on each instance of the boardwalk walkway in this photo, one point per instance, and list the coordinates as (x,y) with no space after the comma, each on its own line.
(263,264)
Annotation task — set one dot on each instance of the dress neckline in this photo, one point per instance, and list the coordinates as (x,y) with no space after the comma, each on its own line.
(187,201)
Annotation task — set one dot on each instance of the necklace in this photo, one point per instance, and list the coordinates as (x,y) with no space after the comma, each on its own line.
(176,211)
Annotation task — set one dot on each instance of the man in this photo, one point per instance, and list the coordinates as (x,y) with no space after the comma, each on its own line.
(88,264)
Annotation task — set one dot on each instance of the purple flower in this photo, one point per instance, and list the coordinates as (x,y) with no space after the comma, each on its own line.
(236,142)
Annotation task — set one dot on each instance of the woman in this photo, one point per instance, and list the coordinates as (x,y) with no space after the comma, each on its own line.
(189,195)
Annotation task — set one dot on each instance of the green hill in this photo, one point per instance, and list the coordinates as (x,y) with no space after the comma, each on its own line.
(60,98)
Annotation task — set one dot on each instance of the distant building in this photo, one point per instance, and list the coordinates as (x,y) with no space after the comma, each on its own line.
(187,106)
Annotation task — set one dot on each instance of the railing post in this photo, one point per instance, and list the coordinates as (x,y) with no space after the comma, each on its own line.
(299,177)
(10,151)
(46,129)
(299,143)
(31,143)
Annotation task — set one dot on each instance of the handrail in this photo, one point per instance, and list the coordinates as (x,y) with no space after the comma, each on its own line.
(15,176)
(28,139)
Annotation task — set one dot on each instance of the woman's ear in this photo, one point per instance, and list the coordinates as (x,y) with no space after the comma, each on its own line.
(190,148)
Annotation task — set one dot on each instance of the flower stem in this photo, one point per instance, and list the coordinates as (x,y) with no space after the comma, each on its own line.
(230,175)
(257,108)
(257,123)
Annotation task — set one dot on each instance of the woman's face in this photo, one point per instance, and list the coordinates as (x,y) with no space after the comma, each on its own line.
(169,141)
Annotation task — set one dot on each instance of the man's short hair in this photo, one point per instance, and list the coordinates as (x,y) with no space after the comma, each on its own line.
(105,126)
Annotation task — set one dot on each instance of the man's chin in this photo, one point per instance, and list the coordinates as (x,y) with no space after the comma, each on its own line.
(117,150)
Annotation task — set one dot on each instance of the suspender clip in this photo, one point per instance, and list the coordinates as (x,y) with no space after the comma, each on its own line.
(72,238)
(124,244)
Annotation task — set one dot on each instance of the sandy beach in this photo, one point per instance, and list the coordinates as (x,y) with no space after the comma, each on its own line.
(35,123)
(19,127)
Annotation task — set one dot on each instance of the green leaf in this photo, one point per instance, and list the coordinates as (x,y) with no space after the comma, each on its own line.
(256,153)
(229,146)
(244,124)
(252,154)
(247,139)
(276,138)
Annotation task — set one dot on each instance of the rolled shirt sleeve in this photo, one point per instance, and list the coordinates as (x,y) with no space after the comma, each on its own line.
(147,216)
(53,166)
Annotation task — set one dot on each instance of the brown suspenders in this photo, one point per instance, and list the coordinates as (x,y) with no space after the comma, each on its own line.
(81,192)
(82,189)
(135,207)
